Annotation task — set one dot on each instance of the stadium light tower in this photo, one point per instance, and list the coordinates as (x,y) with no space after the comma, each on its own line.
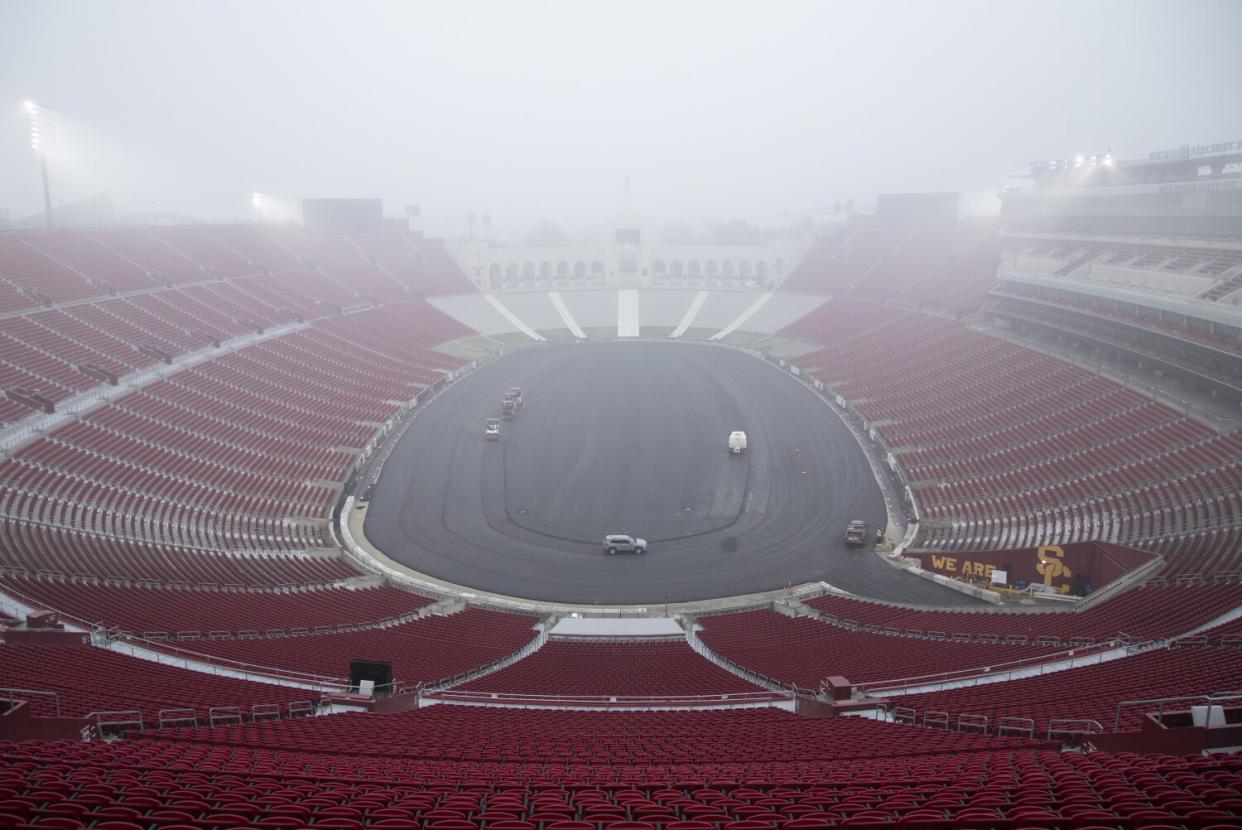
(42,139)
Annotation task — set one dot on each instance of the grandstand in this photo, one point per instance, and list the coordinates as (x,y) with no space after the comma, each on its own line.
(196,423)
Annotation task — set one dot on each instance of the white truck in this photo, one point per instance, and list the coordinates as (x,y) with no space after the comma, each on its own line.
(737,442)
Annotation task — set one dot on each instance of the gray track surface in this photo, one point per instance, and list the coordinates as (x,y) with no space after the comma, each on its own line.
(630,437)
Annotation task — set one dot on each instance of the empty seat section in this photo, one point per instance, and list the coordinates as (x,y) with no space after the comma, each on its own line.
(434,649)
(171,610)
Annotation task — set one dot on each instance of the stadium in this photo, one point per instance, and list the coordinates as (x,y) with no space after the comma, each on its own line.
(936,519)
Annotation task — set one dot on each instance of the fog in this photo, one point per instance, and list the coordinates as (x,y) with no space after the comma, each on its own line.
(524,111)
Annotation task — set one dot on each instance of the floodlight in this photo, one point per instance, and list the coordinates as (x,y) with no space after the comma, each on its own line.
(42,138)
(42,127)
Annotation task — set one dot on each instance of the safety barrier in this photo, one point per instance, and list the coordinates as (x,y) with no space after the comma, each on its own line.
(607,701)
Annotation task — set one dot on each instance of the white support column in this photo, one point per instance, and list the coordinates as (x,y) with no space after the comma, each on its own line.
(512,318)
(743,317)
(627,313)
(692,312)
(563,310)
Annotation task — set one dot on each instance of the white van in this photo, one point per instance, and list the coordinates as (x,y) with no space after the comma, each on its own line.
(737,442)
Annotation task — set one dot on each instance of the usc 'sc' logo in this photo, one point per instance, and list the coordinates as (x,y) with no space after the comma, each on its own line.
(1051,566)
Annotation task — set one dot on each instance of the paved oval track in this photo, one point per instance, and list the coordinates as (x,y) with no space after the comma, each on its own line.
(630,436)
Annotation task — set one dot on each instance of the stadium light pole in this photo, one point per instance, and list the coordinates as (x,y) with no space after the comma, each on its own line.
(42,138)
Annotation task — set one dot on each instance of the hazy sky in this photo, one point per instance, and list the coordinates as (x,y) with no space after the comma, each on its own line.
(526,110)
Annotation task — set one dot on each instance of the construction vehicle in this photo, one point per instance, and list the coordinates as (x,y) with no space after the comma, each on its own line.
(856,533)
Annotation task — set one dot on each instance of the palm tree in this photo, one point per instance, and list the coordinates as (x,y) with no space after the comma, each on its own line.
(487,223)
(470,218)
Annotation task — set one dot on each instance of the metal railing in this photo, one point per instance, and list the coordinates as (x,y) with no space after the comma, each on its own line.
(119,719)
(37,693)
(218,715)
(700,647)
(172,655)
(1181,701)
(1072,727)
(995,670)
(605,701)
(1014,725)
(267,634)
(534,644)
(175,716)
(145,582)
(301,709)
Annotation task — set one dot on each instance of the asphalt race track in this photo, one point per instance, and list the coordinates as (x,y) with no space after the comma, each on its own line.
(630,437)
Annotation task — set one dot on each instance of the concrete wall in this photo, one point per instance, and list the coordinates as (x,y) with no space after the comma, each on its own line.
(595,311)
(622,265)
(1168,282)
